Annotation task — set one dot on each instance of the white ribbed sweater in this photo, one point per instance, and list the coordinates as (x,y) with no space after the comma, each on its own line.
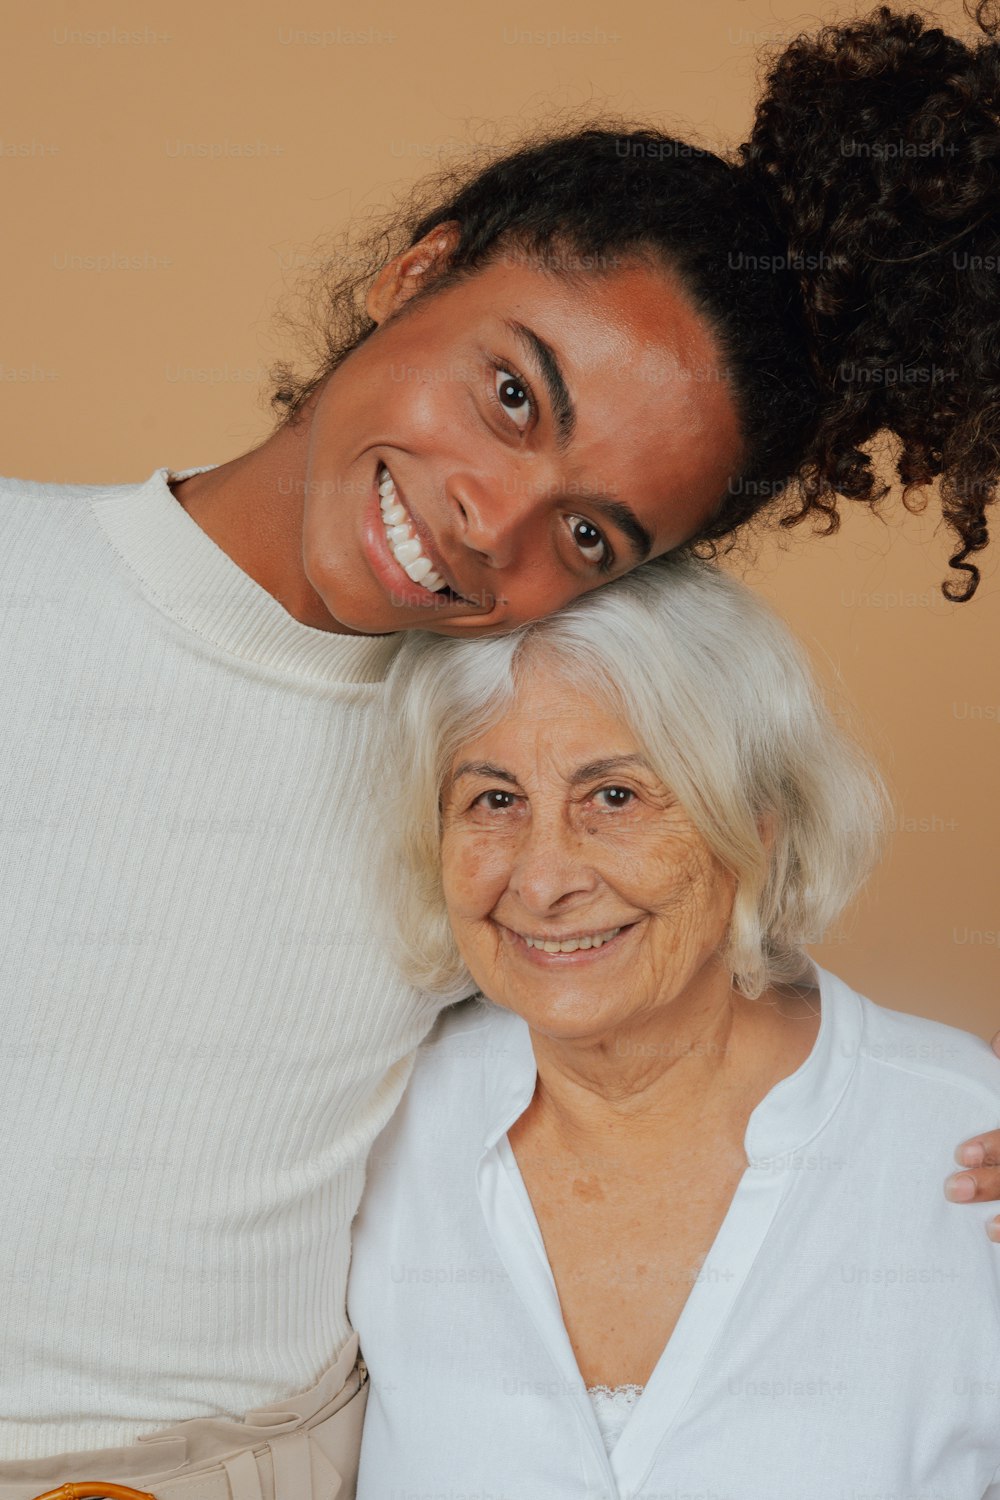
(201,1035)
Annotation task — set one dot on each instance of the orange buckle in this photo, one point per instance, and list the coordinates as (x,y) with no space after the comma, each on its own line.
(95,1487)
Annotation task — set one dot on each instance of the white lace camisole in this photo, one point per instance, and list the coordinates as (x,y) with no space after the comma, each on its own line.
(612,1408)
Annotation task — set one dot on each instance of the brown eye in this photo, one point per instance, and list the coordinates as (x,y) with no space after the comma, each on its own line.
(496,800)
(618,796)
(513,393)
(589,540)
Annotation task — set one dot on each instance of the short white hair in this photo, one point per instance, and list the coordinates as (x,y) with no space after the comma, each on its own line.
(719,697)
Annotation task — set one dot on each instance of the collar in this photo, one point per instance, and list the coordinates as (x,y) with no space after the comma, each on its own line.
(190,578)
(784,1121)
(798,1107)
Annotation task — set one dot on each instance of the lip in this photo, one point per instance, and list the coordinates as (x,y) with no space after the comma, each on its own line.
(397,583)
(559,960)
(391,574)
(428,544)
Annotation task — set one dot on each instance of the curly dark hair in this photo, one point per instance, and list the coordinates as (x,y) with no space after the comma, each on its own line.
(846,257)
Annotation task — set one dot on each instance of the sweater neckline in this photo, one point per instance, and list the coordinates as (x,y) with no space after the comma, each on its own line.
(188,577)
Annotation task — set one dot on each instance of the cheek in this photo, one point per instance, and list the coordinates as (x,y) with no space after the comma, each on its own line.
(643,862)
(419,400)
(708,891)
(526,594)
(670,874)
(475,872)
(541,588)
(425,379)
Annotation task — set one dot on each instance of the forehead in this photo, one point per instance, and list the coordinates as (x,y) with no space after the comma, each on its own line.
(657,421)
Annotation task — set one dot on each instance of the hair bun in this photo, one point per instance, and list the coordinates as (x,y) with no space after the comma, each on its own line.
(876,148)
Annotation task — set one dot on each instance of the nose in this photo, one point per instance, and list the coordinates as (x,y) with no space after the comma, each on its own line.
(551,867)
(494,513)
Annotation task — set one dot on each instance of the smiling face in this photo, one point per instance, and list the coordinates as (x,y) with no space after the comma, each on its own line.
(556,829)
(530,441)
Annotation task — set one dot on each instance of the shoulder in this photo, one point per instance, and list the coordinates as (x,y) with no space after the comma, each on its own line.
(461,1032)
(439,1117)
(16,491)
(929,1060)
(471,1045)
(27,504)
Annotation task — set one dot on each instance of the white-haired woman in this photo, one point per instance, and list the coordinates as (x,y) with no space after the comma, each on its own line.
(634,1230)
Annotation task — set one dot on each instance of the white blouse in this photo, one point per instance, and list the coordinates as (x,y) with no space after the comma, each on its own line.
(842,1337)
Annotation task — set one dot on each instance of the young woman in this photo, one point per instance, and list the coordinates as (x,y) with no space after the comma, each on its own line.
(601,348)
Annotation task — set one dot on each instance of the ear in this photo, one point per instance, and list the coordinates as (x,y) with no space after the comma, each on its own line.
(399,278)
(766,827)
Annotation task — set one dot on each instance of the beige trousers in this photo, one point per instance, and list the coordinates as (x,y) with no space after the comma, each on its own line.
(305,1447)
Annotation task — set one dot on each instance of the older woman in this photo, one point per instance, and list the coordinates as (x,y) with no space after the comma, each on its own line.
(633,1231)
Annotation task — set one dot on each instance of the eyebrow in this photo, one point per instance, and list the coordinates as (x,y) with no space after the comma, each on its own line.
(547,363)
(482,768)
(590,772)
(596,768)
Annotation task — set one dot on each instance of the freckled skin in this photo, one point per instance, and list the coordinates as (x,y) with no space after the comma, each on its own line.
(588,1190)
(649,1063)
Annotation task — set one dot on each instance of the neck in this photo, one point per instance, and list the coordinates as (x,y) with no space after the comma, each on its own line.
(709,1055)
(252,507)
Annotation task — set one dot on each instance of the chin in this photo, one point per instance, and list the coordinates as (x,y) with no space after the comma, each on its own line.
(573,1020)
(348,608)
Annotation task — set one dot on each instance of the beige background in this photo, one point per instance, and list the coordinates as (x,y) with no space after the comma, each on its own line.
(214,144)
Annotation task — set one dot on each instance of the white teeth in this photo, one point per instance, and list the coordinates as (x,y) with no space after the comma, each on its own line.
(404,544)
(595,940)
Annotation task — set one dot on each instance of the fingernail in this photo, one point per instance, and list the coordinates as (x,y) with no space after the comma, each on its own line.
(959,1189)
(972,1155)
